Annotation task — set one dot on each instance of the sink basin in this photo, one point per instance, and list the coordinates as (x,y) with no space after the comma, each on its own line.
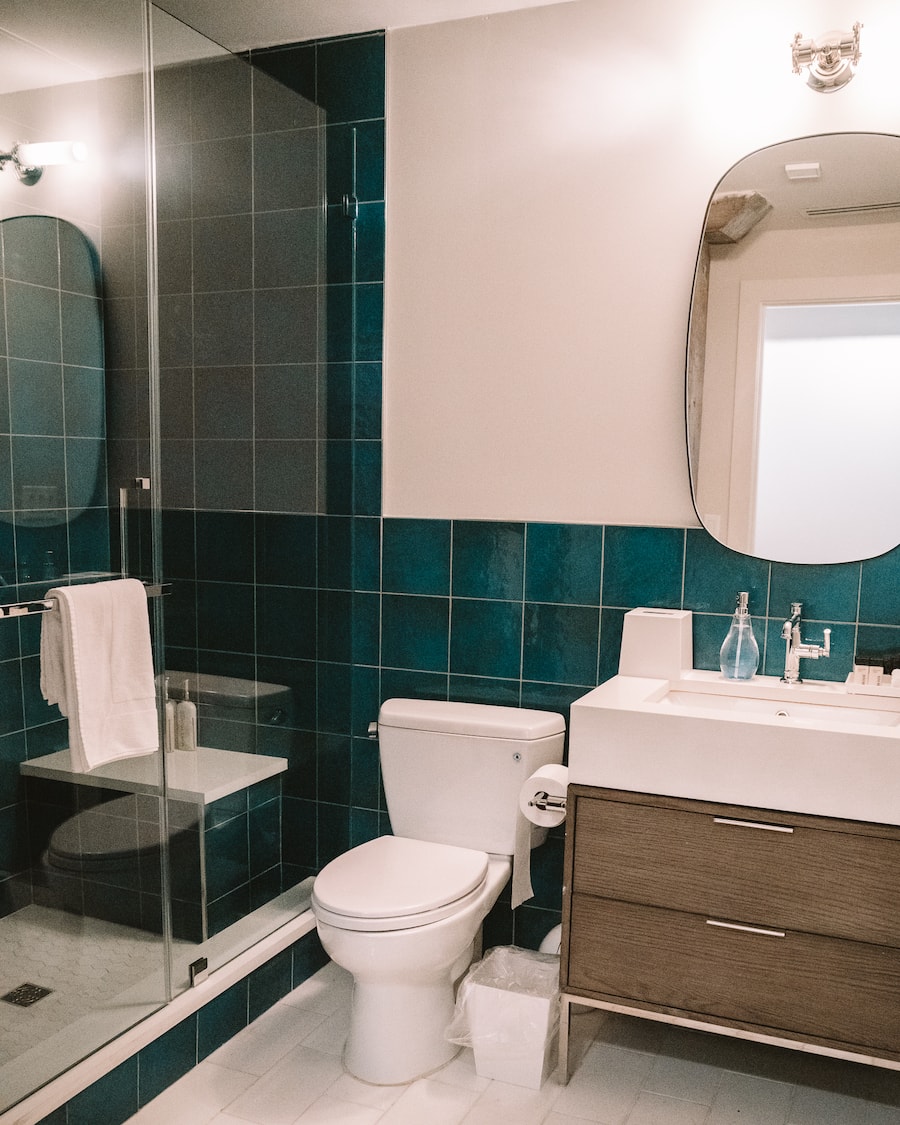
(810,747)
(784,710)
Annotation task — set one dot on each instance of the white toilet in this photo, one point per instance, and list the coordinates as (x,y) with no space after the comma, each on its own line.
(401,913)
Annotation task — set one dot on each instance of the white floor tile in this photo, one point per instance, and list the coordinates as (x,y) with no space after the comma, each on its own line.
(268,1039)
(501,1102)
(331,1034)
(327,990)
(743,1098)
(683,1078)
(461,1072)
(350,1089)
(606,1085)
(196,1098)
(289,1088)
(655,1109)
(820,1107)
(333,1111)
(434,1103)
(883,1115)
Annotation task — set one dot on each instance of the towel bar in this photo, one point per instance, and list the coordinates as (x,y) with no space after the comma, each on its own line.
(42,605)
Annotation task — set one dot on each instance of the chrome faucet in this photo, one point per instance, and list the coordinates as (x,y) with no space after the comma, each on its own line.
(796,650)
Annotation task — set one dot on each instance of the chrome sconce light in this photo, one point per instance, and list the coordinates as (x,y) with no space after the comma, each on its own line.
(831,61)
(29,160)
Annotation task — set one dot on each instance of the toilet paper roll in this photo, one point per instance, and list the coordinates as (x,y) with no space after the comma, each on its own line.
(551,780)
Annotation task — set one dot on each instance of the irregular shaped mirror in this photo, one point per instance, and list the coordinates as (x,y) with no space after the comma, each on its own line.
(53,355)
(793,363)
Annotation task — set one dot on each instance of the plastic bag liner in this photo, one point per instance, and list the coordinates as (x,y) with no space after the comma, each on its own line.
(512,970)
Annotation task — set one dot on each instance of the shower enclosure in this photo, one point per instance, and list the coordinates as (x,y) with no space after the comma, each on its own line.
(166,413)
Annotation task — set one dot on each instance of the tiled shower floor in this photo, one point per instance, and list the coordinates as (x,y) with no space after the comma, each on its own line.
(91,967)
(285,1069)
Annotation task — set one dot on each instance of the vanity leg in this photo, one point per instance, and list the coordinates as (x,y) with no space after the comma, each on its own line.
(565,1027)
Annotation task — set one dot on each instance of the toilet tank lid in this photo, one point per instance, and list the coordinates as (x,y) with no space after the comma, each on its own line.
(482,719)
(225,691)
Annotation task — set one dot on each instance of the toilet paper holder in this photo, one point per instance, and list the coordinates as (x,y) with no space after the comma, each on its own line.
(545,801)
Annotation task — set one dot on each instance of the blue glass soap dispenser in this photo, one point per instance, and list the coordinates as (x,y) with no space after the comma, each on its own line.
(739,654)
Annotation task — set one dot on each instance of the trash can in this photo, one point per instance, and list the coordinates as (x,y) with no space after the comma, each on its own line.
(507,1011)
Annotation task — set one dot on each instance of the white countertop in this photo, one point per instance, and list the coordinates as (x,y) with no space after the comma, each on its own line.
(201,776)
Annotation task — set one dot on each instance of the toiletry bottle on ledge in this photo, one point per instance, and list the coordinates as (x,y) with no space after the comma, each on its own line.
(169,728)
(186,722)
(739,654)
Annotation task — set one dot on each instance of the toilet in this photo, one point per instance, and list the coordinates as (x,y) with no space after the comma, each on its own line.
(110,843)
(401,913)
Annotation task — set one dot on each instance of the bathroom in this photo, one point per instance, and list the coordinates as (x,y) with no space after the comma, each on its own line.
(533,427)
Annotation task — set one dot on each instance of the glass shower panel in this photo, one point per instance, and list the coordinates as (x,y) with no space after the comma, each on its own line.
(82,952)
(240,167)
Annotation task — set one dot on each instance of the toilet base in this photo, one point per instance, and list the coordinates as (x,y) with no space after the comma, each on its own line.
(397,1032)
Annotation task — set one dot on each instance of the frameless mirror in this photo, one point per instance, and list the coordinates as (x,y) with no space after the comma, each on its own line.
(793,359)
(52,355)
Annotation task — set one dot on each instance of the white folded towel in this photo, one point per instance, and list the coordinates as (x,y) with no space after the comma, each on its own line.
(96,664)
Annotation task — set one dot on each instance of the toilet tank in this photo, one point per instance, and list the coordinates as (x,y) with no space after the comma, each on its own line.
(230,708)
(453,771)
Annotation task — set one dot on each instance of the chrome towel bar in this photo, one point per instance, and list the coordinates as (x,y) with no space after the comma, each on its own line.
(42,605)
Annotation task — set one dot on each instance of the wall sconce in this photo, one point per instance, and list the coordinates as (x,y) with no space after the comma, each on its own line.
(29,160)
(831,61)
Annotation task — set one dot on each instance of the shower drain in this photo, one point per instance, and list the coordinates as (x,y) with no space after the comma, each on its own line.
(26,995)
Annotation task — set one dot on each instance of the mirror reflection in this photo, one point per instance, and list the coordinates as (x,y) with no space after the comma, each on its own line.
(53,357)
(793,376)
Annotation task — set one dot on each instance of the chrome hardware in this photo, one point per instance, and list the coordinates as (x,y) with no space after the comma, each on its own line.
(44,605)
(544,801)
(349,206)
(745,929)
(372,729)
(752,824)
(198,970)
(797,650)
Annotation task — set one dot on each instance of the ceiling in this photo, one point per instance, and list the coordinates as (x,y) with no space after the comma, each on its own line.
(239,24)
(59,41)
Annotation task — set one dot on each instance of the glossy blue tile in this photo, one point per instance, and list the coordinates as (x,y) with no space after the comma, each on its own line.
(415,632)
(562,563)
(828,593)
(225,546)
(227,857)
(33,322)
(269,983)
(286,547)
(31,250)
(713,576)
(366,478)
(611,621)
(643,566)
(222,1018)
(416,556)
(166,1059)
(308,957)
(561,643)
(333,764)
(285,622)
(488,559)
(350,77)
(333,835)
(481,689)
(402,683)
(112,1099)
(285,325)
(36,397)
(355,160)
(879,602)
(365,773)
(265,837)
(486,639)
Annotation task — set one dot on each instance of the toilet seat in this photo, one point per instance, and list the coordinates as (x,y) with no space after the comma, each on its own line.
(394,883)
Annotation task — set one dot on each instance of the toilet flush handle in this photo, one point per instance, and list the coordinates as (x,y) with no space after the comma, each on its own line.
(373,729)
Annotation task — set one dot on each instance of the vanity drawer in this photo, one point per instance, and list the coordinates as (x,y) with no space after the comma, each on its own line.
(784,870)
(799,983)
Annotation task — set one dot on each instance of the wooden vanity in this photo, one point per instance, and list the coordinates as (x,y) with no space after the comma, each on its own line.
(773,926)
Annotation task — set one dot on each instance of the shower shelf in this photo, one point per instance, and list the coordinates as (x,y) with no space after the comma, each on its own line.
(199,776)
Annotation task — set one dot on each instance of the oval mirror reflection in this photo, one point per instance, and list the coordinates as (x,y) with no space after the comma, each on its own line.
(793,367)
(54,413)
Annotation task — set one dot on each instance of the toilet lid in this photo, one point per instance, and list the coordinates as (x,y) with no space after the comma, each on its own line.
(105,833)
(392,876)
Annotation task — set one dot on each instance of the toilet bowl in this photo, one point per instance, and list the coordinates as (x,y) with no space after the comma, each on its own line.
(402,916)
(402,912)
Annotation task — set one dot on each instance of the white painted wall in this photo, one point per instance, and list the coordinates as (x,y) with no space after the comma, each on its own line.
(548,174)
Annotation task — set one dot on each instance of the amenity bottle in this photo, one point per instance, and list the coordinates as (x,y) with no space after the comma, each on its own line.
(186,722)
(739,654)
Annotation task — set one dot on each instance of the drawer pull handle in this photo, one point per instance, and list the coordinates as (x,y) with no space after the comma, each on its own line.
(746,929)
(752,824)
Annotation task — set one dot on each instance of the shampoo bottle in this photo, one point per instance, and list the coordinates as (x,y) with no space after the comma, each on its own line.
(170,721)
(186,722)
(739,655)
